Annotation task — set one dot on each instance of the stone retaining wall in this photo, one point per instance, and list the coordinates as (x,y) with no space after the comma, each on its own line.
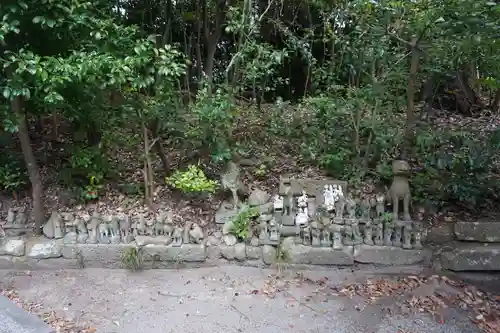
(309,222)
(477,247)
(38,249)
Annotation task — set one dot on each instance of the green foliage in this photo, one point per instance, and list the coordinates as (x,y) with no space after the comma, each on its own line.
(214,119)
(88,163)
(13,175)
(344,63)
(261,171)
(242,222)
(132,258)
(91,190)
(282,255)
(192,180)
(386,218)
(347,133)
(458,167)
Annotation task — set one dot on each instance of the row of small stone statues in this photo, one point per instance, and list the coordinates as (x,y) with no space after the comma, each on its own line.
(120,229)
(406,234)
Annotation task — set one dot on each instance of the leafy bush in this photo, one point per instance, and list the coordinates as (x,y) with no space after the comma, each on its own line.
(91,190)
(132,259)
(192,180)
(458,167)
(13,176)
(214,120)
(242,222)
(346,133)
(86,163)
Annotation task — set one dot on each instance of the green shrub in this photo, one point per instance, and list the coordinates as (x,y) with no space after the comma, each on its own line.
(212,124)
(13,173)
(458,168)
(192,180)
(242,223)
(84,164)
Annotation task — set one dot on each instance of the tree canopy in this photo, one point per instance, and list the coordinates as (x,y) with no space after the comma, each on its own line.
(346,86)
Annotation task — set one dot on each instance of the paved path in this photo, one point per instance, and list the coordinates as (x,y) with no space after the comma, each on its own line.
(222,299)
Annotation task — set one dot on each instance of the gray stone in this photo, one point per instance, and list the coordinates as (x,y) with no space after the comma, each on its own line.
(258,197)
(287,243)
(227,228)
(183,253)
(45,249)
(254,241)
(230,240)
(97,255)
(253,252)
(213,252)
(440,234)
(150,240)
(110,255)
(53,227)
(488,232)
(388,255)
(11,216)
(269,254)
(12,246)
(240,251)
(213,241)
(472,257)
(227,252)
(301,254)
(265,208)
(225,213)
(288,230)
(14,319)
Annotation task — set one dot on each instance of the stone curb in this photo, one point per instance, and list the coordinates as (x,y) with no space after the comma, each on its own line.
(40,250)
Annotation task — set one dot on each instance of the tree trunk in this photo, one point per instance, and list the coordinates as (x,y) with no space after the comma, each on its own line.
(496,102)
(212,38)
(209,60)
(31,165)
(155,129)
(148,173)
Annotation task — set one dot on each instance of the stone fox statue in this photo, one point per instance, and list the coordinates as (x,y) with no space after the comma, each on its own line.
(400,189)
(230,180)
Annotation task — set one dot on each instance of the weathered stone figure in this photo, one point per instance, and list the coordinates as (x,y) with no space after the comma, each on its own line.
(306,232)
(368,233)
(230,180)
(388,229)
(417,236)
(378,232)
(93,226)
(337,237)
(407,235)
(177,236)
(125,227)
(380,205)
(348,233)
(400,189)
(315,234)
